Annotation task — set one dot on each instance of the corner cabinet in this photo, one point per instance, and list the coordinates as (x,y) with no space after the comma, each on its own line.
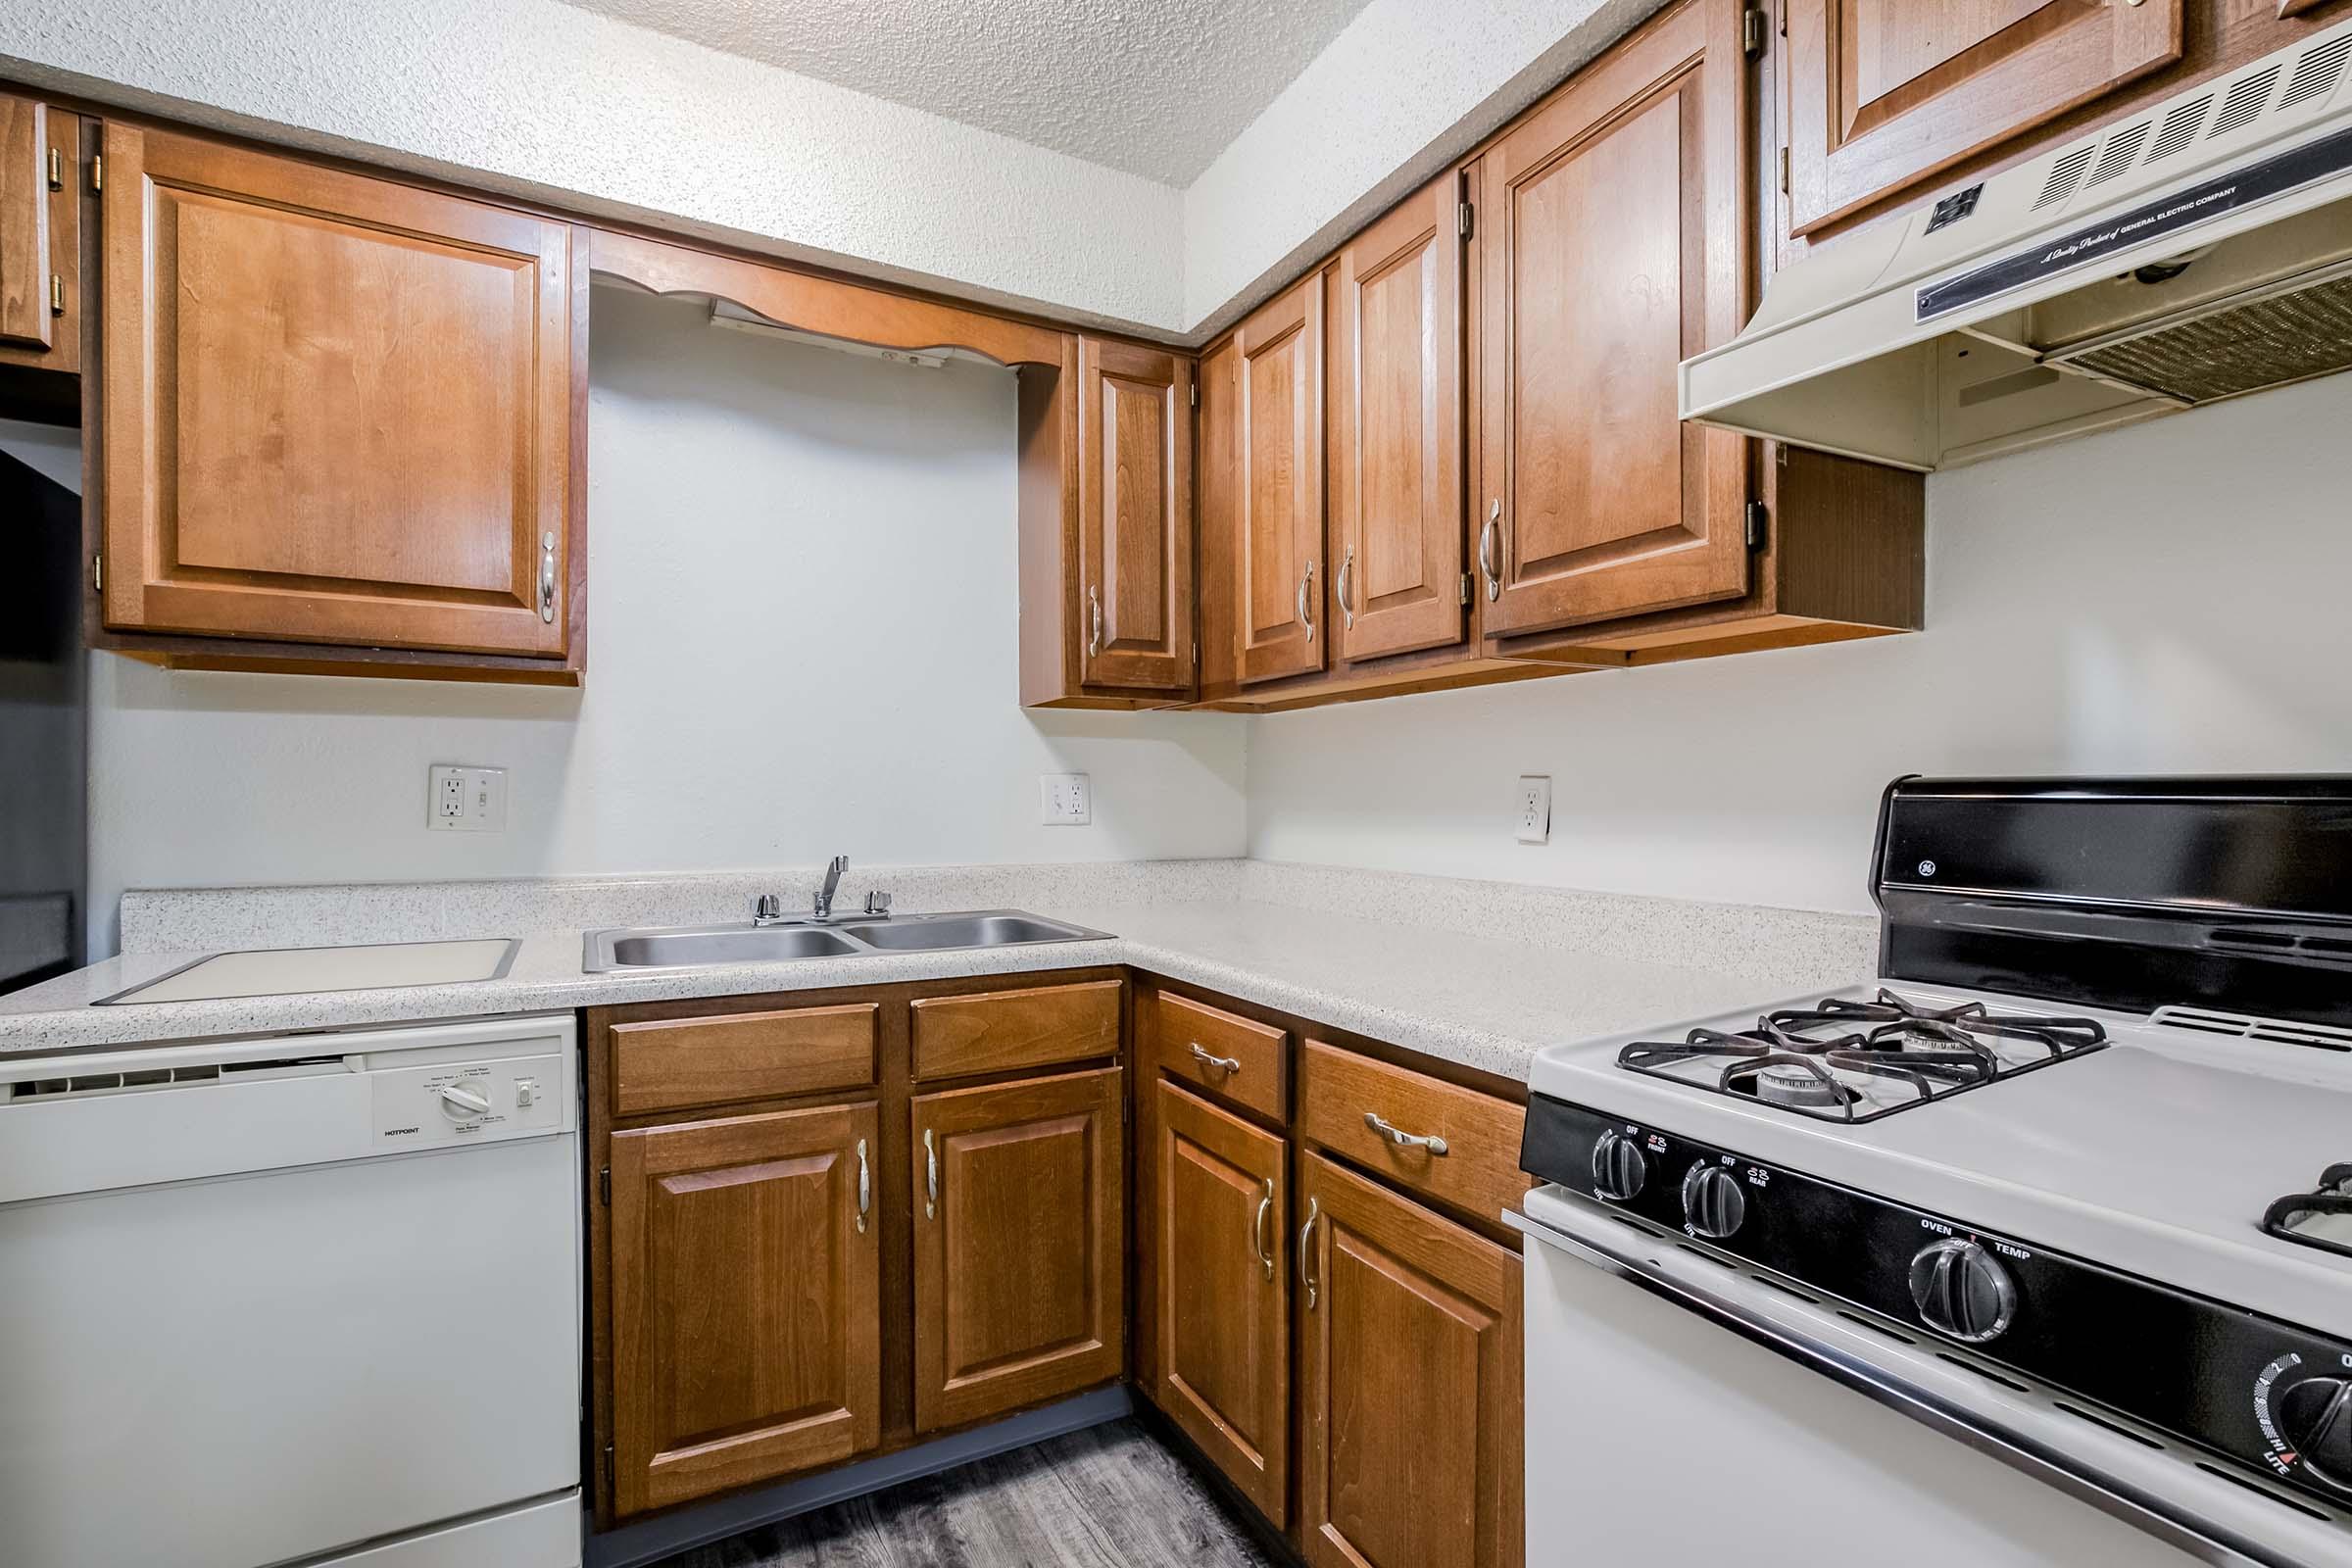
(1107,527)
(339,413)
(41,181)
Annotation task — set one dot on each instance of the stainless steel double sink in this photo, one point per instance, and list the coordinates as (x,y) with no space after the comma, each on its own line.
(694,947)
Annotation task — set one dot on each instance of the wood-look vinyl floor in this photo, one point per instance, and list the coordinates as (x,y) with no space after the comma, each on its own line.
(1110,1496)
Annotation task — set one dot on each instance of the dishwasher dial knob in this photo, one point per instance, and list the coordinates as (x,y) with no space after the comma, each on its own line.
(464,1101)
(1713,1205)
(1962,1289)
(2316,1417)
(1619,1167)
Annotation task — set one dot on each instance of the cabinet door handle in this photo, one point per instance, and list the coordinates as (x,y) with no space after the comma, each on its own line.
(1258,1242)
(865,1188)
(1348,590)
(1490,540)
(930,1177)
(1306,1252)
(1402,1139)
(1307,586)
(547,577)
(1094,640)
(1221,1063)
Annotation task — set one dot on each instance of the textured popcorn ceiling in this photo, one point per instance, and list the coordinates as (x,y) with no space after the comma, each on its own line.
(1153,87)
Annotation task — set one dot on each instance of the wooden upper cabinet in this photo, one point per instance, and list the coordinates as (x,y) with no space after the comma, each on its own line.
(40,261)
(746,1305)
(1277,486)
(1412,1399)
(1612,247)
(338,410)
(1882,94)
(1134,516)
(1220,1269)
(1021,1241)
(1396,399)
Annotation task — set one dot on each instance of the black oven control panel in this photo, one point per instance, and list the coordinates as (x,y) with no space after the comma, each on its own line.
(2266,1393)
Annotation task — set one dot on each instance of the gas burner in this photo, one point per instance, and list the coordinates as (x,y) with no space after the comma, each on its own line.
(1850,1058)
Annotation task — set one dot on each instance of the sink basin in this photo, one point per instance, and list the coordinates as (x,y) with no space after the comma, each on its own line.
(691,947)
(931,933)
(725,944)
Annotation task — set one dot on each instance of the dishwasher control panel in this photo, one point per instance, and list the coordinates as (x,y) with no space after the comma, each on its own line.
(436,1104)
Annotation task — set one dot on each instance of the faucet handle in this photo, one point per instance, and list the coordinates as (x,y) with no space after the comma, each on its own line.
(877,903)
(767,906)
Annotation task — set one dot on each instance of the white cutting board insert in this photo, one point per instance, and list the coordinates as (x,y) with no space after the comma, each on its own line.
(289,971)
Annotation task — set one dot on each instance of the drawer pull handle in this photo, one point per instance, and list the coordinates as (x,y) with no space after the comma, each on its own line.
(1402,1139)
(930,1177)
(865,1188)
(1306,1252)
(1221,1063)
(1258,1242)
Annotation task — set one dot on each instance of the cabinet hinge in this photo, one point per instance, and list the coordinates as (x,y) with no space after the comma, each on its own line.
(1465,587)
(57,169)
(57,294)
(1784,171)
(97,171)
(604,1186)
(1759,524)
(98,574)
(610,1486)
(1195,392)
(1751,32)
(1465,218)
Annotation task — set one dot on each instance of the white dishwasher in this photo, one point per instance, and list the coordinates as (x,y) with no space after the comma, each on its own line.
(306,1299)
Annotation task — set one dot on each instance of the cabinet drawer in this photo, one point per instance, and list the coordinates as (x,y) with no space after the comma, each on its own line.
(744,1055)
(1479,1173)
(1195,1042)
(1001,1031)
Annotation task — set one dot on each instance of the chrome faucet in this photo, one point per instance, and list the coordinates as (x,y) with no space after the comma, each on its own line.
(825,894)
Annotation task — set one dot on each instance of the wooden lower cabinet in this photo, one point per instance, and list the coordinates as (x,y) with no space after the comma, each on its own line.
(1019,1244)
(746,1310)
(1219,1229)
(1411,1365)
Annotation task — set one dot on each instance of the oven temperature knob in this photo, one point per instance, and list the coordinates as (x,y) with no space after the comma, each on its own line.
(463,1102)
(1713,1205)
(1619,1167)
(1962,1289)
(2316,1418)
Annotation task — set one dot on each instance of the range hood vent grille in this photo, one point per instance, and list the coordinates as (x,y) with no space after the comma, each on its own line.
(2063,176)
(2317,73)
(2179,128)
(2264,342)
(2245,101)
(2122,148)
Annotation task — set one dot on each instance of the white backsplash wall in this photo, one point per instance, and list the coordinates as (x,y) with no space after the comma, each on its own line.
(801,641)
(2171,598)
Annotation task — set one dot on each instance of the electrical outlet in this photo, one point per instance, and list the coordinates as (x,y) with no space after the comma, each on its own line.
(1535,809)
(466,799)
(1064,800)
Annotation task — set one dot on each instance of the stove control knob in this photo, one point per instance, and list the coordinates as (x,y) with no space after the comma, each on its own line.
(464,1101)
(1713,1205)
(1963,1291)
(1619,1167)
(2316,1418)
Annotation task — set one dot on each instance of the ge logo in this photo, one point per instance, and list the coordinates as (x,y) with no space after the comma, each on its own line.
(1927,868)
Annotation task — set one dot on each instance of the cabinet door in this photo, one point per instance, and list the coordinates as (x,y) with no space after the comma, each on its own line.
(1223,1364)
(1278,486)
(745,1300)
(1883,93)
(1019,1245)
(1397,394)
(1134,516)
(1611,248)
(1413,1405)
(40,271)
(337,409)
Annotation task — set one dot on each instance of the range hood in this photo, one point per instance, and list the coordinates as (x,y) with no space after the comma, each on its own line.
(2196,251)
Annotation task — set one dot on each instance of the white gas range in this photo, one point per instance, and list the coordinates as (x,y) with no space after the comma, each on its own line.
(2069,1182)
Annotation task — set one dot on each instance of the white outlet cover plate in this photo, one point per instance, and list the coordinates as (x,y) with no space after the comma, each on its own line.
(1064,800)
(1535,809)
(466,799)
